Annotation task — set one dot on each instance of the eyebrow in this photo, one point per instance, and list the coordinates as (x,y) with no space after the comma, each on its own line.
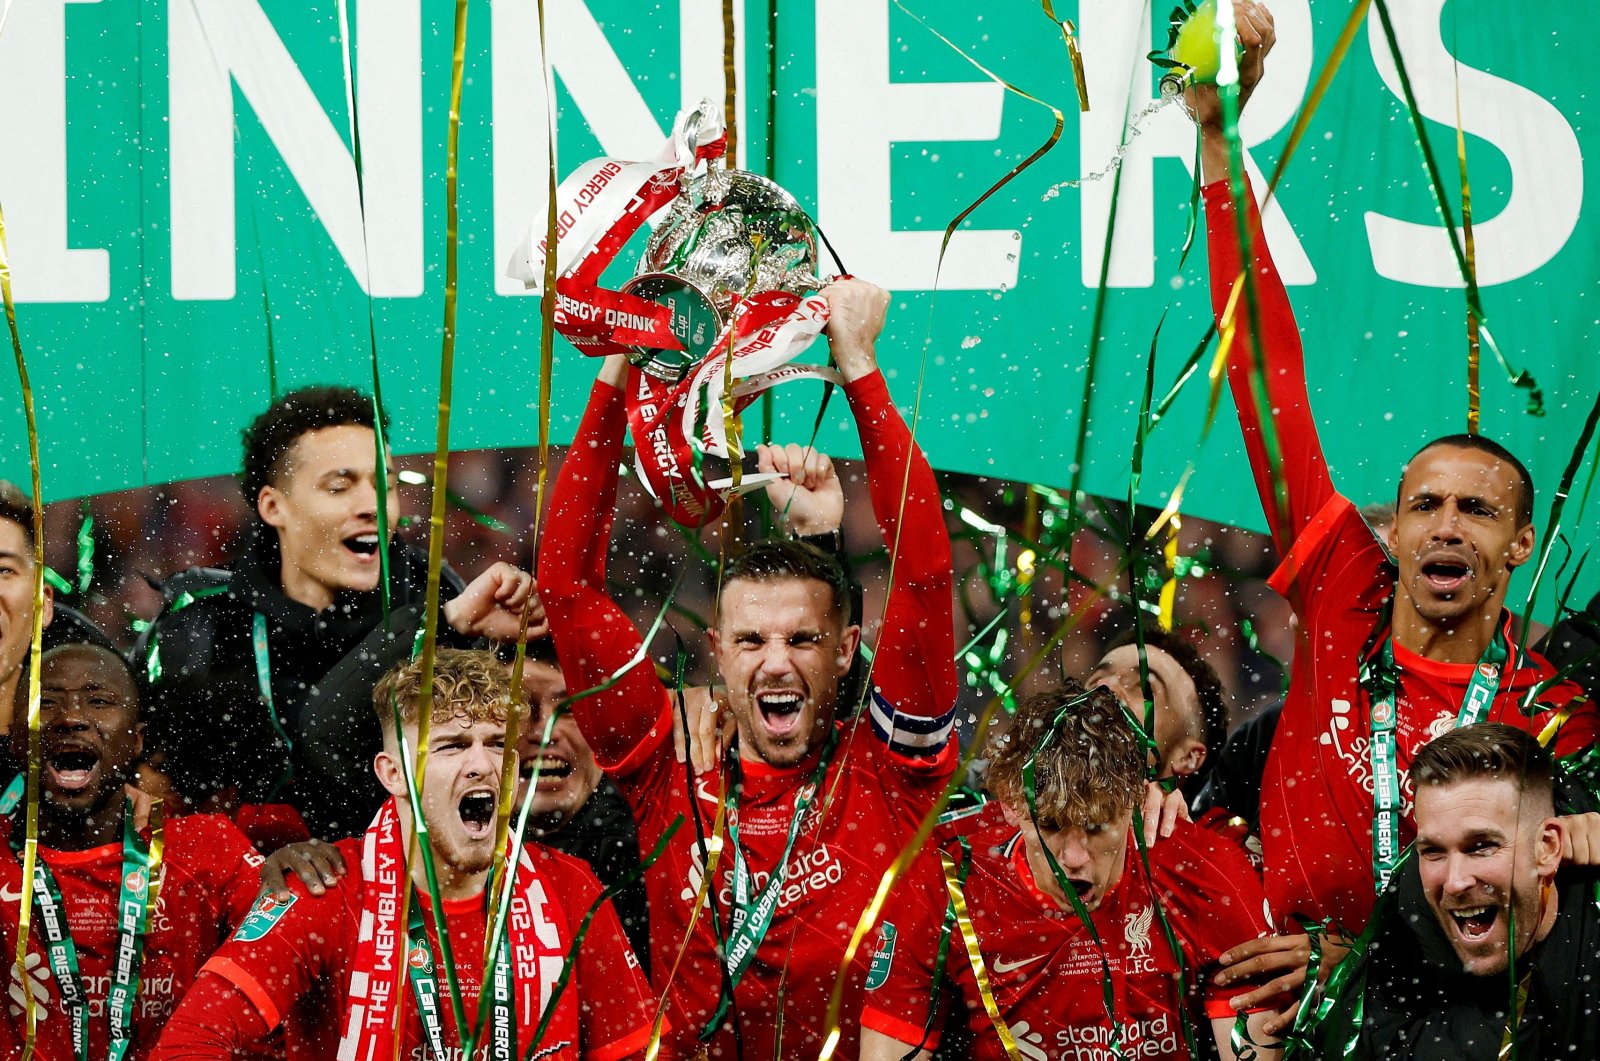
(1479,834)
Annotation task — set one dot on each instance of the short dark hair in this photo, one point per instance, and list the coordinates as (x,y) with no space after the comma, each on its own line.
(1490,750)
(1088,770)
(1495,450)
(1207,686)
(17,507)
(772,559)
(271,435)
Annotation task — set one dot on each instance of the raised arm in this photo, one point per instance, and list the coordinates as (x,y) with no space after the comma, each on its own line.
(1303,466)
(594,639)
(914,681)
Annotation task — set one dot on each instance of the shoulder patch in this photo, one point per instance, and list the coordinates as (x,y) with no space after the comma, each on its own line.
(268,911)
(882,958)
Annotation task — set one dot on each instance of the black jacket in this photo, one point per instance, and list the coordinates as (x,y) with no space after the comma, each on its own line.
(604,835)
(1419,1004)
(207,724)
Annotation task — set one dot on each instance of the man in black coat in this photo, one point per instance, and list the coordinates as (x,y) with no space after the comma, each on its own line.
(1488,939)
(259,678)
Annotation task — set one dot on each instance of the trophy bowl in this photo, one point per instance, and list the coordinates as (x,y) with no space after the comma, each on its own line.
(728,235)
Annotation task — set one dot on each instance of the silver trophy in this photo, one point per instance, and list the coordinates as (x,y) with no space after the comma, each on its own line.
(729,234)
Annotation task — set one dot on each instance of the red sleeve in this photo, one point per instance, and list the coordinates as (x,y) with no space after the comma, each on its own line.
(1214,901)
(616,1006)
(1304,468)
(234,869)
(214,1021)
(899,988)
(281,950)
(593,637)
(914,682)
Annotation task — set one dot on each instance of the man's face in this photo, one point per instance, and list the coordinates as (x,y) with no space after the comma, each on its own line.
(1178,750)
(781,648)
(461,789)
(89,733)
(16,600)
(1091,857)
(326,509)
(1484,856)
(1456,535)
(567,771)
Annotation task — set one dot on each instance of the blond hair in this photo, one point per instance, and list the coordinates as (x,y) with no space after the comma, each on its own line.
(1089,764)
(467,683)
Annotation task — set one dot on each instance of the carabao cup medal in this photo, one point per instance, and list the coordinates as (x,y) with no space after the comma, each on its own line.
(728,235)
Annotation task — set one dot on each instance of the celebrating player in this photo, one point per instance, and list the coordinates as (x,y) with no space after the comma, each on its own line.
(815,811)
(1079,945)
(288,644)
(330,967)
(120,924)
(1391,653)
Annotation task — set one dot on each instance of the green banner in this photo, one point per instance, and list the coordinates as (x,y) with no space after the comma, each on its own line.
(175,173)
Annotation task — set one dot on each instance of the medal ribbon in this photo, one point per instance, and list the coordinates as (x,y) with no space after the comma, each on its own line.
(1380,677)
(258,644)
(752,918)
(501,1044)
(522,957)
(141,865)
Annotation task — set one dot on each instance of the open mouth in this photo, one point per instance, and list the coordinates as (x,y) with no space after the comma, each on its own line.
(1446,576)
(549,768)
(363,545)
(476,811)
(780,710)
(72,770)
(1474,923)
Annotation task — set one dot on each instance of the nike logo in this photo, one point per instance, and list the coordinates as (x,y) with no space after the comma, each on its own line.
(1002,968)
(9,896)
(705,793)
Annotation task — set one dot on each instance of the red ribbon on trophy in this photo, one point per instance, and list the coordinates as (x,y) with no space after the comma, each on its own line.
(727,276)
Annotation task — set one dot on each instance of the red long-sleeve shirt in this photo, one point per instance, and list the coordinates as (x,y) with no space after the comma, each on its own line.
(887,775)
(1316,796)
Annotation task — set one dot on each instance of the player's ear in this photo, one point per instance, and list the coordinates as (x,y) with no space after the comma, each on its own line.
(849,641)
(1521,547)
(390,774)
(1191,755)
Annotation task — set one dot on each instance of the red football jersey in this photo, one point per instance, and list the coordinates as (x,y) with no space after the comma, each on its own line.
(1316,795)
(1044,968)
(889,767)
(209,878)
(293,961)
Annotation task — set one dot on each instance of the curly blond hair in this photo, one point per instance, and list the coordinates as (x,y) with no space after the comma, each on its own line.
(1089,764)
(468,683)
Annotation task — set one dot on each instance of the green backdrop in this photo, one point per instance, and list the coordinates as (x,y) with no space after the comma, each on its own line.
(174,173)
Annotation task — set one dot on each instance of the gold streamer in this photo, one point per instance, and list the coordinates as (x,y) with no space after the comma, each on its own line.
(1216,376)
(441,458)
(1169,588)
(701,897)
(158,852)
(969,936)
(1069,34)
(30,846)
(1341,47)
(510,769)
(730,82)
(1474,395)
(547,302)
